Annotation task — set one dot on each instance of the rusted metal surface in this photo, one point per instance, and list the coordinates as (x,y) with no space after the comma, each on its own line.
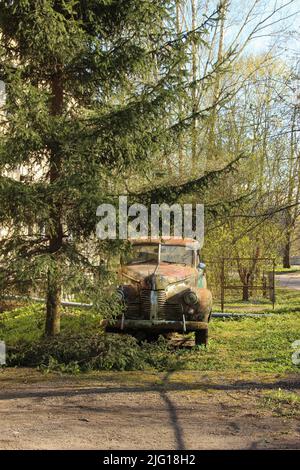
(190,242)
(157,325)
(172,273)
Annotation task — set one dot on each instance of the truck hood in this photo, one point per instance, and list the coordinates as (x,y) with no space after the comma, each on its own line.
(165,273)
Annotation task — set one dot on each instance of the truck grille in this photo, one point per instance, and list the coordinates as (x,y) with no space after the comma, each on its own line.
(133,311)
(146,302)
(165,311)
(173,312)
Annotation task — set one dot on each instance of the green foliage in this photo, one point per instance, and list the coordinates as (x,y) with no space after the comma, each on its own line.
(246,345)
(235,238)
(83,351)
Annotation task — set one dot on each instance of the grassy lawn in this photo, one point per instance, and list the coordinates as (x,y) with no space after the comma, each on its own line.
(254,345)
(251,345)
(292,269)
(287,301)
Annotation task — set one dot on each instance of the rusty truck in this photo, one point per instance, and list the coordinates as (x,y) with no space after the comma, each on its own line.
(163,289)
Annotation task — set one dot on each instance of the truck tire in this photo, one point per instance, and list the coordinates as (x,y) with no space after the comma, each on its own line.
(201,337)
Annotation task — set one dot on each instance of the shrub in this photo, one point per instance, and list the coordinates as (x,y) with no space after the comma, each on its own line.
(82,351)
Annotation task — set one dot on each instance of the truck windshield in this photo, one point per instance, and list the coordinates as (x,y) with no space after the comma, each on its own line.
(175,254)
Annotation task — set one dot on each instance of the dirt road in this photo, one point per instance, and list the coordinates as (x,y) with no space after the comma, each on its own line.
(186,410)
(290,280)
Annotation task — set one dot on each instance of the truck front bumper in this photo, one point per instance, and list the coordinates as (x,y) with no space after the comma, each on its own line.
(156,325)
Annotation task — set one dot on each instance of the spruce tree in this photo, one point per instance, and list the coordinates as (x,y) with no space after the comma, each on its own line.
(90,85)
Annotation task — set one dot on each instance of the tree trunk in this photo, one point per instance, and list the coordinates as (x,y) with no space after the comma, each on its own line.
(293,193)
(54,284)
(180,140)
(217,85)
(246,274)
(53,305)
(194,96)
(246,292)
(286,253)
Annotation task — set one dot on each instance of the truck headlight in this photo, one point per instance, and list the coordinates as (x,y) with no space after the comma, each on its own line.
(190,298)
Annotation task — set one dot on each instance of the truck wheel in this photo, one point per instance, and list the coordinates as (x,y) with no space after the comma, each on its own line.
(152,337)
(140,336)
(201,337)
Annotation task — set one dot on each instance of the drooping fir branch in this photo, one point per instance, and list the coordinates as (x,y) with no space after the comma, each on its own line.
(171,193)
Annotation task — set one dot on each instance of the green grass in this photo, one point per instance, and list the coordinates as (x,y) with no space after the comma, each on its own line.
(260,345)
(254,345)
(28,322)
(287,301)
(292,269)
(282,402)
